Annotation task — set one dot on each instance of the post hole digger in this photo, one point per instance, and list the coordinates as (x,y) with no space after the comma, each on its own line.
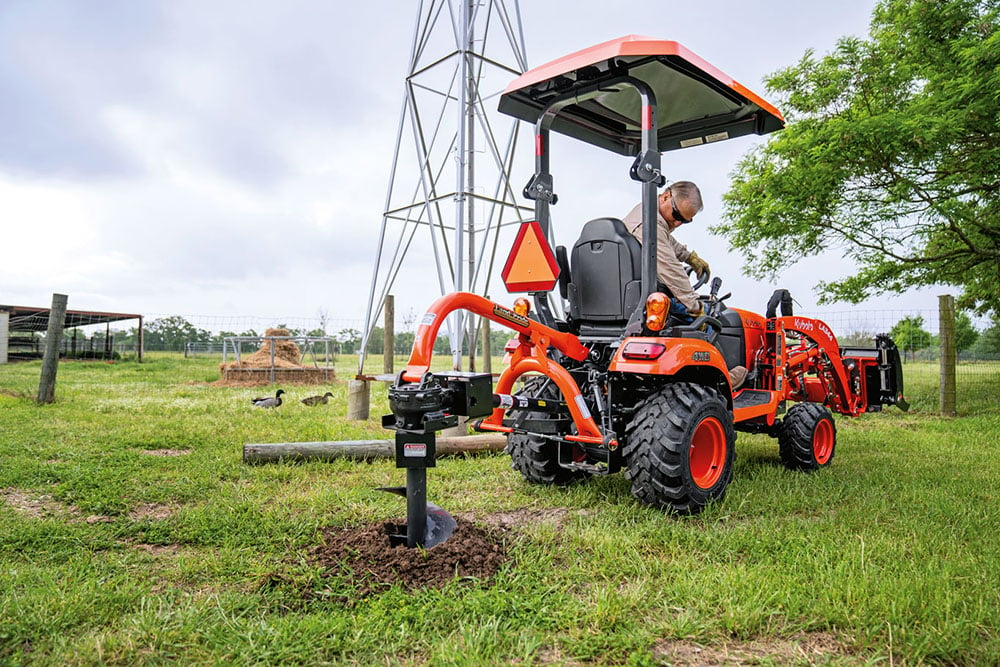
(616,383)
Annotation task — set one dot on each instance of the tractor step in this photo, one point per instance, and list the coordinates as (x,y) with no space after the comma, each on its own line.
(751,397)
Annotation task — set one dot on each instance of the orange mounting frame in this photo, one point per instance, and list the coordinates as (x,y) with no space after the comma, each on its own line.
(530,356)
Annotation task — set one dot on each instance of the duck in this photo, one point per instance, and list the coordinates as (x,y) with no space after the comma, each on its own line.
(317,400)
(268,402)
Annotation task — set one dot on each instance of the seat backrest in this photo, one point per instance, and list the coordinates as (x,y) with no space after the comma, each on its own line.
(606,263)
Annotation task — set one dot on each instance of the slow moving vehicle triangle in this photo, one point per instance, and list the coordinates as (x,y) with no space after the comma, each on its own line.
(531,265)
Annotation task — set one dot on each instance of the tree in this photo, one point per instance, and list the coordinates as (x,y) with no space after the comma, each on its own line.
(170,333)
(890,155)
(349,339)
(988,344)
(909,334)
(965,333)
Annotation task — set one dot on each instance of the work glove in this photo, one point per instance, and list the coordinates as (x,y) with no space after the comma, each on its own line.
(699,265)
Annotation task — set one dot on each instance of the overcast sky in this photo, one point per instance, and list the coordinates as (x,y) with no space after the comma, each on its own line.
(232,157)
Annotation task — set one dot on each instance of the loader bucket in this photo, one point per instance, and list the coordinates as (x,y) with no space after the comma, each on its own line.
(890,372)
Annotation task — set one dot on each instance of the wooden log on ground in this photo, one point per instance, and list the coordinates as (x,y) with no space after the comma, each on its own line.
(364,449)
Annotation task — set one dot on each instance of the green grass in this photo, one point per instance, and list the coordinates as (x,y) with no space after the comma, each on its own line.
(112,555)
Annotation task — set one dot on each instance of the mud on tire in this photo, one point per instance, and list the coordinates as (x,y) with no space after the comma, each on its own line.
(679,448)
(537,459)
(808,437)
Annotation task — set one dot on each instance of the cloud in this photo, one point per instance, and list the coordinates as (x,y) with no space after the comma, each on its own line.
(182,156)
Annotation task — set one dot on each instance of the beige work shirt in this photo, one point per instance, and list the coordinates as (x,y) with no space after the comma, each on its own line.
(670,255)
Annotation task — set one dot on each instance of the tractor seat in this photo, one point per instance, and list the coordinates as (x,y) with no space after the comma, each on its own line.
(605,285)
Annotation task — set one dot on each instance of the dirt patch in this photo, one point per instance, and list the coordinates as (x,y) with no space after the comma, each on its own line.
(811,648)
(32,505)
(363,557)
(166,452)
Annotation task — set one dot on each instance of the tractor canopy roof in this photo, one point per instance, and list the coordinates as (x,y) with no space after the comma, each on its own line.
(695,102)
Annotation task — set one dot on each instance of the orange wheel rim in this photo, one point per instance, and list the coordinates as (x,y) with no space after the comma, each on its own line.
(707,455)
(823,442)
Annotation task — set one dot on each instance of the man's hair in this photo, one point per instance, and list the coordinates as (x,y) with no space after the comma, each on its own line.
(689,192)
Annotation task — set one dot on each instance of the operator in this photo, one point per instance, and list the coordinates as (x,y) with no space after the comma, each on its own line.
(677,205)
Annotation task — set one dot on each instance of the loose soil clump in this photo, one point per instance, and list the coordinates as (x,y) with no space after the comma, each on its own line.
(363,556)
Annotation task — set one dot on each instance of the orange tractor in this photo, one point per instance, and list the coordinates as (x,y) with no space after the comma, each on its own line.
(616,384)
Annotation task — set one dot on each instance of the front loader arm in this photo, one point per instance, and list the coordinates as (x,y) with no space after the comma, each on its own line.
(819,352)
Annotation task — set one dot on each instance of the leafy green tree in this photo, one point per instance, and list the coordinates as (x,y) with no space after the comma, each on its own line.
(858,338)
(909,334)
(404,342)
(890,156)
(349,340)
(988,344)
(965,333)
(170,333)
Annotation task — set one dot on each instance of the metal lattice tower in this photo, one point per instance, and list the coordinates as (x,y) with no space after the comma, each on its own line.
(464,54)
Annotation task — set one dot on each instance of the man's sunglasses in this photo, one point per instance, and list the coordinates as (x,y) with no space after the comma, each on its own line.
(674,212)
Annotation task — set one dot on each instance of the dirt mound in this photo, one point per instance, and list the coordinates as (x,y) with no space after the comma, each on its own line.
(363,555)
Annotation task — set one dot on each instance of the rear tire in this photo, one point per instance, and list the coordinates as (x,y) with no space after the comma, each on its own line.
(679,448)
(808,437)
(537,459)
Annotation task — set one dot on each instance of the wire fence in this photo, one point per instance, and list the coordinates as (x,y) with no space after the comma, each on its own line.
(916,333)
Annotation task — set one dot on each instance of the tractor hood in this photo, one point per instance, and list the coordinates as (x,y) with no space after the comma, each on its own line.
(695,102)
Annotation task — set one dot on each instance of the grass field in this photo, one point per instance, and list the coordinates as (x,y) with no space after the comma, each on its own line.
(130,532)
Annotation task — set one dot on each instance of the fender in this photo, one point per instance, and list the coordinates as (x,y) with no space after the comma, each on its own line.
(642,355)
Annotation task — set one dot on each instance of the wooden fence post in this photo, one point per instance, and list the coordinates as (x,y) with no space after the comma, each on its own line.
(358,400)
(946,335)
(50,360)
(389,338)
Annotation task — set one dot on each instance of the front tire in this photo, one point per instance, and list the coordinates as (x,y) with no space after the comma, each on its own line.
(679,448)
(537,459)
(808,437)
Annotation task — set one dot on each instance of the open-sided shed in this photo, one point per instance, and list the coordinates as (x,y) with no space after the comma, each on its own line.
(33,319)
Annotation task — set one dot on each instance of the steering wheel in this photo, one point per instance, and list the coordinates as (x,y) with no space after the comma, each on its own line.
(702,278)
